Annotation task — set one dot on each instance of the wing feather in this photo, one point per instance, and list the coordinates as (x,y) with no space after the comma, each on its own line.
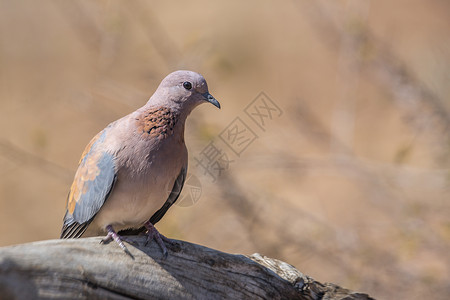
(94,181)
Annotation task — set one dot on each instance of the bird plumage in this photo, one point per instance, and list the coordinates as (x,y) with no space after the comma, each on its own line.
(133,171)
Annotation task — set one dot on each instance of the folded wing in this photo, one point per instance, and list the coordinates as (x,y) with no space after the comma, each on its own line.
(93,182)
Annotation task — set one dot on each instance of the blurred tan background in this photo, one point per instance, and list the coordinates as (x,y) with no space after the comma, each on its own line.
(351,184)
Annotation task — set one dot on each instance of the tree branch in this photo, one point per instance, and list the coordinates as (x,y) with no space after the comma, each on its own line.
(84,268)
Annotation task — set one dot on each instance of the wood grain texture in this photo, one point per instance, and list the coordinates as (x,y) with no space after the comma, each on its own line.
(85,269)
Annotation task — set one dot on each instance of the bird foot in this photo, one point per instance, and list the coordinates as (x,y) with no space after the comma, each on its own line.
(153,234)
(112,235)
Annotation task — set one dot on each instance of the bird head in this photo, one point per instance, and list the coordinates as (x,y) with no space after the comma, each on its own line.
(183,91)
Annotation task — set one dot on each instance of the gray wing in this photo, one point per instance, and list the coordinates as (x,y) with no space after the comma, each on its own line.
(93,183)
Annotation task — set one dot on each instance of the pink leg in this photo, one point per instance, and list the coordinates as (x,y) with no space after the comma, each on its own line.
(112,235)
(153,234)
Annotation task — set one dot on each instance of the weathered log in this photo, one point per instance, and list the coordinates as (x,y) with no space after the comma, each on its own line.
(86,269)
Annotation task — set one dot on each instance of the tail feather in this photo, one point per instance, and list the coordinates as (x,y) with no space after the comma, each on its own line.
(74,230)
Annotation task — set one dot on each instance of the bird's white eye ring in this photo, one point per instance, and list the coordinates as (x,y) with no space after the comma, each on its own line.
(187,85)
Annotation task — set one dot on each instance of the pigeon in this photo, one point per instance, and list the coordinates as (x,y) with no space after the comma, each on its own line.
(133,171)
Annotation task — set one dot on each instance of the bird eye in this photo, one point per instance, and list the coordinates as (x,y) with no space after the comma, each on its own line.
(187,85)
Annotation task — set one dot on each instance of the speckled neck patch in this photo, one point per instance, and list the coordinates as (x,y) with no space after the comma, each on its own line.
(157,122)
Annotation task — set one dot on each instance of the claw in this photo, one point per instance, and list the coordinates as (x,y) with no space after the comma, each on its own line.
(153,234)
(112,235)
(106,239)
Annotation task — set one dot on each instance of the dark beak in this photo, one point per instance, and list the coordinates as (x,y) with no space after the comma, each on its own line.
(211,99)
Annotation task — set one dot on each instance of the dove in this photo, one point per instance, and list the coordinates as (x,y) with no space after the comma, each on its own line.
(133,171)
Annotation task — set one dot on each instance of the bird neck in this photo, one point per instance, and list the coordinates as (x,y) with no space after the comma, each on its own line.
(160,122)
